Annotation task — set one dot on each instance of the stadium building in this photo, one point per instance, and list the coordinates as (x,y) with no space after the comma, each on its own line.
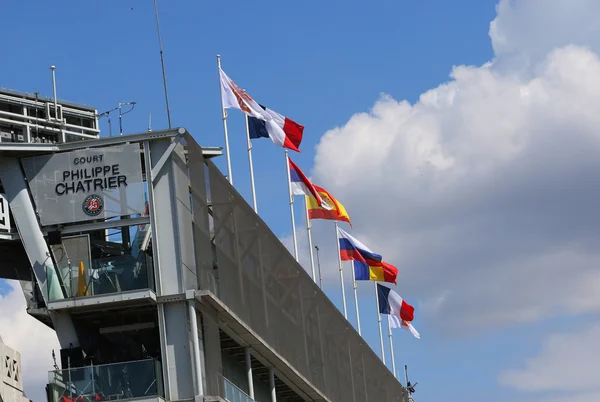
(161,282)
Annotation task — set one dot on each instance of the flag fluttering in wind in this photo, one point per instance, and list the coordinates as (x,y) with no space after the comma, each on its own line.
(233,97)
(367,264)
(401,313)
(262,122)
(337,213)
(300,185)
(408,326)
(284,132)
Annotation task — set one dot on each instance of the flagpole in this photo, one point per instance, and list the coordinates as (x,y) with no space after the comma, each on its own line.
(310,242)
(224,114)
(287,166)
(355,285)
(391,346)
(337,241)
(254,204)
(379,321)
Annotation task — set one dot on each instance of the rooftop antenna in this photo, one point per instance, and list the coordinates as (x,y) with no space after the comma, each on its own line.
(107,114)
(54,359)
(56,117)
(132,104)
(53,68)
(150,123)
(319,266)
(409,387)
(37,127)
(162,62)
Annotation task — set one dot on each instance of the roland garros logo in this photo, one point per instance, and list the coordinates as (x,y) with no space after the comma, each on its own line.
(241,96)
(93,205)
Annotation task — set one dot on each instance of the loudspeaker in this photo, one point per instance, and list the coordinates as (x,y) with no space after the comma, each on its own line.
(54,237)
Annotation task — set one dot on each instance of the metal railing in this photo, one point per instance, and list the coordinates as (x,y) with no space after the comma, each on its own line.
(234,393)
(117,381)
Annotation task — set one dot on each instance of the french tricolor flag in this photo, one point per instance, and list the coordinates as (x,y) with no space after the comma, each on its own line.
(399,312)
(300,184)
(281,130)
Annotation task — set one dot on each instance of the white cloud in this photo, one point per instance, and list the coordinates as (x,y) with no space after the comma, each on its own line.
(567,364)
(524,32)
(484,192)
(29,337)
(573,397)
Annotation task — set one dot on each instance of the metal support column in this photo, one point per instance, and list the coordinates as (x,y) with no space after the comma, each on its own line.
(27,129)
(249,372)
(172,234)
(195,342)
(272,384)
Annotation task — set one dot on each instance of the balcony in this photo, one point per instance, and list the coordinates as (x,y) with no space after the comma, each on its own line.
(90,271)
(233,393)
(118,381)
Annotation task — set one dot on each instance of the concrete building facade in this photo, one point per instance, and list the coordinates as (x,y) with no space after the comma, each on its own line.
(11,376)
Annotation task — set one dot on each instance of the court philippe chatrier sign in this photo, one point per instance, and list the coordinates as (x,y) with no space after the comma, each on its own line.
(90,174)
(88,184)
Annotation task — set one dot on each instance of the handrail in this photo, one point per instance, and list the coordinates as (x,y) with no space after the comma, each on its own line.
(240,393)
(125,380)
(103,365)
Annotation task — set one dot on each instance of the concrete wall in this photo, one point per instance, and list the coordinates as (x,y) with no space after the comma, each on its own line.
(11,376)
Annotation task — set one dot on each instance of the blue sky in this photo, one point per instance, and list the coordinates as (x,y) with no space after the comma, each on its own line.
(324,63)
(317,67)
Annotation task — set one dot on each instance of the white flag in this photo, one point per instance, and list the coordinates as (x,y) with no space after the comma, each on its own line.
(234,97)
(407,325)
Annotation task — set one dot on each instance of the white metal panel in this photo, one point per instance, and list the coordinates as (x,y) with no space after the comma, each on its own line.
(166,201)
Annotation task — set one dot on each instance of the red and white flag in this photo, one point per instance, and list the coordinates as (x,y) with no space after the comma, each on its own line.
(300,185)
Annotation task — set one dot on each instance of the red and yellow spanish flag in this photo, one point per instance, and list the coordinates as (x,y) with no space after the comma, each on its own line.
(338,213)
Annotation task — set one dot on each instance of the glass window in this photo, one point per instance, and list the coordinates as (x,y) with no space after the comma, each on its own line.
(102,262)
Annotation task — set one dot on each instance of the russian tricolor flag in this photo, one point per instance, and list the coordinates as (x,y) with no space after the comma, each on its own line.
(368,266)
(281,130)
(400,312)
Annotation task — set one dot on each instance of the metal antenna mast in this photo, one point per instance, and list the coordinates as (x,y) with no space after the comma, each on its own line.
(409,387)
(57,117)
(107,114)
(53,68)
(162,62)
(37,127)
(121,104)
(319,266)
